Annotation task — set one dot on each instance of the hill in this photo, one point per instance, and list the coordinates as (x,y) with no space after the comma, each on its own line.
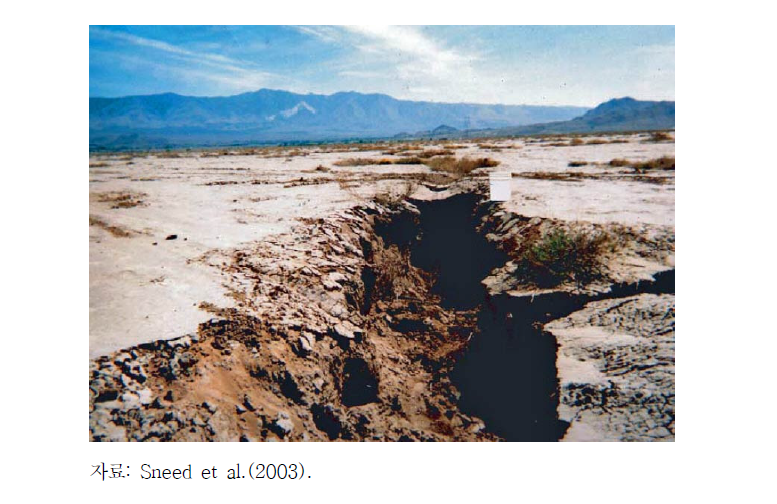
(620,114)
(266,116)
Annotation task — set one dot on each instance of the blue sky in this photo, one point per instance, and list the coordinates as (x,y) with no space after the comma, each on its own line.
(552,65)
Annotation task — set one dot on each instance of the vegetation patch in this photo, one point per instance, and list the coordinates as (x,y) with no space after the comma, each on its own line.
(618,162)
(122,199)
(662,163)
(446,164)
(561,256)
(116,231)
(660,136)
(462,166)
(363,162)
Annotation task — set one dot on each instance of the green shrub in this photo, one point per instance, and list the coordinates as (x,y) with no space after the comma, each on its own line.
(560,256)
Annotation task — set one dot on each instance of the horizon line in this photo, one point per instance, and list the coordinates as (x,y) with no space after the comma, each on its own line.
(310,93)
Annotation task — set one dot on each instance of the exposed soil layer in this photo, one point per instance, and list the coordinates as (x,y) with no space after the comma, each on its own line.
(373,324)
(339,337)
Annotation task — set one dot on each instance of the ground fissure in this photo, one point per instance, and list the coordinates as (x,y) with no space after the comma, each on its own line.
(375,324)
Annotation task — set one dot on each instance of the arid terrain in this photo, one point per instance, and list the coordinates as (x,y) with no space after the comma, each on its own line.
(373,292)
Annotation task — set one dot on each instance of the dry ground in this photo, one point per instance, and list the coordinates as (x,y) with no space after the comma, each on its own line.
(257,258)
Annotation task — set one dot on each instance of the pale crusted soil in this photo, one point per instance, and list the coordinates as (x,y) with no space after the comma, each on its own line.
(305,324)
(616,369)
(302,357)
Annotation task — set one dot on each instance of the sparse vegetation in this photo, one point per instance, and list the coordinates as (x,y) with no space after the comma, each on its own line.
(560,256)
(462,166)
(660,136)
(122,199)
(362,162)
(426,154)
(662,163)
(116,231)
(409,160)
(617,162)
(447,164)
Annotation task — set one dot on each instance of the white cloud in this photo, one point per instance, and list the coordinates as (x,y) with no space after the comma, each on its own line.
(414,52)
(208,58)
(325,33)
(419,64)
(232,75)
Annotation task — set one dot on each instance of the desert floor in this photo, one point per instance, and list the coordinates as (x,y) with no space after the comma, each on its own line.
(301,293)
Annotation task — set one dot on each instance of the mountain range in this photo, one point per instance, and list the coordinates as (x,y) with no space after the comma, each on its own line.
(619,114)
(272,116)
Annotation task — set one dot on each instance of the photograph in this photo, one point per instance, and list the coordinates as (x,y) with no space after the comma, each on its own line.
(363,233)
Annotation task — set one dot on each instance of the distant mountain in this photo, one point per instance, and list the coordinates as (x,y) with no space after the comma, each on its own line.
(264,116)
(620,114)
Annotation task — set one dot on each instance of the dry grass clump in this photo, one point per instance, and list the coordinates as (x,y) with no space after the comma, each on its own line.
(618,162)
(576,141)
(116,231)
(424,154)
(462,166)
(168,155)
(122,199)
(413,160)
(98,164)
(429,153)
(361,162)
(660,136)
(662,163)
(575,164)
(447,164)
(561,256)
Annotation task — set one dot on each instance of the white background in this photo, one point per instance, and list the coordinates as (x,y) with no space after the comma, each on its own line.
(725,345)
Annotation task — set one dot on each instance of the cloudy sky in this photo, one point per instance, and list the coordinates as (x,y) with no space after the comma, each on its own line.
(552,65)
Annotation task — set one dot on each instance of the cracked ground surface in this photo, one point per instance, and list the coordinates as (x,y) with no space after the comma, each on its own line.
(289,305)
(616,369)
